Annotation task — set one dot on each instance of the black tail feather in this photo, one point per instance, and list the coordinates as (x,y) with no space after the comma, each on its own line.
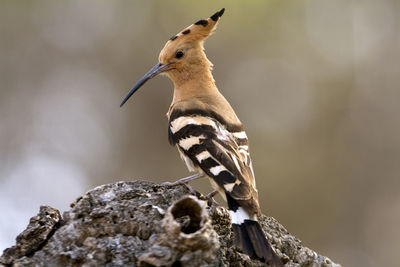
(250,238)
(242,240)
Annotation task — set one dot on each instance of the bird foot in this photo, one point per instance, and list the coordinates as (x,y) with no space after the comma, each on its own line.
(210,198)
(184,181)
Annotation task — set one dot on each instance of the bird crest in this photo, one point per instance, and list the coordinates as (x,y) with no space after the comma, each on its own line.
(184,52)
(198,31)
(182,57)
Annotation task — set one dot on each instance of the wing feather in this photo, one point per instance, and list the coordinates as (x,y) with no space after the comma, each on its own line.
(221,154)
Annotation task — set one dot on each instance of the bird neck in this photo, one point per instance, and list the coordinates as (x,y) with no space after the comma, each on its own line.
(193,83)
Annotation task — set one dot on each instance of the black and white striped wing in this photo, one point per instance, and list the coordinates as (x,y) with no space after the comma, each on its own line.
(221,154)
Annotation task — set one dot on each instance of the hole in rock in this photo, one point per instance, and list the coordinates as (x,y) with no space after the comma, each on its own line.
(187,212)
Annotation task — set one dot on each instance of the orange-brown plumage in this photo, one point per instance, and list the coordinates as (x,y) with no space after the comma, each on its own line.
(191,74)
(208,134)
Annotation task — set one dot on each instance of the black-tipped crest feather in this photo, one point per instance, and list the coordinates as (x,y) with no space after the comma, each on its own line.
(201,22)
(217,14)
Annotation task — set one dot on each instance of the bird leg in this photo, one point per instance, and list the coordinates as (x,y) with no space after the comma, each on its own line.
(184,181)
(210,198)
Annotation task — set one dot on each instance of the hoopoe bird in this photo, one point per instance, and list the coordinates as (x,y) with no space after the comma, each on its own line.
(208,134)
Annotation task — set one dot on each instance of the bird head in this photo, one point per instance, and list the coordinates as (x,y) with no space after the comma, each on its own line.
(183,55)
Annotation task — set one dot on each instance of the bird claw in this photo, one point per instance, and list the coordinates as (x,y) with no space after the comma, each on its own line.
(211,202)
(186,180)
(209,198)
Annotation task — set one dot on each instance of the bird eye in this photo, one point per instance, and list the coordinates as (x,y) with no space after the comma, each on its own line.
(179,54)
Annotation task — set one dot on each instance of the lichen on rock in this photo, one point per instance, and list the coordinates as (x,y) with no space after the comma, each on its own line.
(142,223)
(39,230)
(188,237)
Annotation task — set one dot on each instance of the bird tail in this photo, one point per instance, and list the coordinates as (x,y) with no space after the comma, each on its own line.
(249,237)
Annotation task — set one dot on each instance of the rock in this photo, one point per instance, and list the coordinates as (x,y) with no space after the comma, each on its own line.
(140,223)
(187,238)
(39,230)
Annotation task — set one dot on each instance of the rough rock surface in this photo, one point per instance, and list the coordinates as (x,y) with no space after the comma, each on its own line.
(140,223)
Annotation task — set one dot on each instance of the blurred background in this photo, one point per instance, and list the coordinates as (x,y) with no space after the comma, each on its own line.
(316,84)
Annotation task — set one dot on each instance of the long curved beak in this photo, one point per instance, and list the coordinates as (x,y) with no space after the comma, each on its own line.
(157,69)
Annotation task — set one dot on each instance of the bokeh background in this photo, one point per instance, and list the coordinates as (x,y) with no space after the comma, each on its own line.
(316,84)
